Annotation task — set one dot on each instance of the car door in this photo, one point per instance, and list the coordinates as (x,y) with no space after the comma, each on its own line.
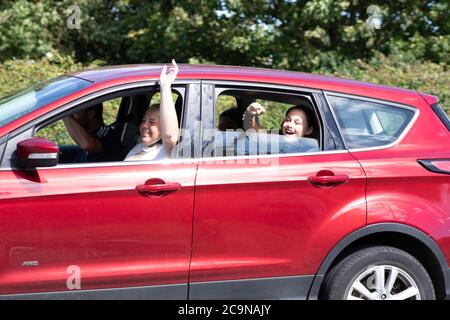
(98,230)
(263,224)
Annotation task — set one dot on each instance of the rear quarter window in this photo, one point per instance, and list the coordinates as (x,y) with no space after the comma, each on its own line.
(366,124)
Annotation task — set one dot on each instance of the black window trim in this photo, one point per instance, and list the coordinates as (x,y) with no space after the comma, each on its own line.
(332,126)
(428,164)
(440,112)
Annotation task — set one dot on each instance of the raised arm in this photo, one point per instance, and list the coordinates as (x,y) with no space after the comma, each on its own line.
(168,115)
(82,138)
(249,120)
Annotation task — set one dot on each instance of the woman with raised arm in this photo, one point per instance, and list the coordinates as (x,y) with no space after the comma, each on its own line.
(298,121)
(159,127)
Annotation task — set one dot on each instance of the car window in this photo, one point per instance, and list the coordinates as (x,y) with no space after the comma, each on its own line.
(58,133)
(274,115)
(110,110)
(229,138)
(367,124)
(70,152)
(226,102)
(155,99)
(121,118)
(19,104)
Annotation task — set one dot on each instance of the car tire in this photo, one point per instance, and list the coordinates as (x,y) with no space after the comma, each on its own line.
(379,273)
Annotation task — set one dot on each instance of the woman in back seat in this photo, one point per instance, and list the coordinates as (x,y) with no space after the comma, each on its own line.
(299,121)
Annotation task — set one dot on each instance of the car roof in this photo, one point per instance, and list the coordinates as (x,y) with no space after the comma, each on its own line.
(141,72)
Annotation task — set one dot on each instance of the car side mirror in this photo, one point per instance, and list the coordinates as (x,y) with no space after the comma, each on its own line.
(37,152)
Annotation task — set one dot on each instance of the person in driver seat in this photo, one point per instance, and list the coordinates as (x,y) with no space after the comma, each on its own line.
(97,141)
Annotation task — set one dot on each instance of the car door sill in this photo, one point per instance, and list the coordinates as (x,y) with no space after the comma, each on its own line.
(162,292)
(284,288)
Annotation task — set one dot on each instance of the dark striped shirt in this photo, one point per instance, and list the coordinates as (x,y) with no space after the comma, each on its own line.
(112,149)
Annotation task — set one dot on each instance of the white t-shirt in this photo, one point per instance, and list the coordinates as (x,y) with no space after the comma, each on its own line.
(142,152)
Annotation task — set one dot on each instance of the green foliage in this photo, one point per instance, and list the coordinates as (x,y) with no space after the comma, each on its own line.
(412,74)
(296,35)
(274,115)
(224,103)
(110,109)
(19,74)
(27,30)
(16,75)
(56,132)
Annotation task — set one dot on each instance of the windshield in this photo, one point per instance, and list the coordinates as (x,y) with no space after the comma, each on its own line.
(21,103)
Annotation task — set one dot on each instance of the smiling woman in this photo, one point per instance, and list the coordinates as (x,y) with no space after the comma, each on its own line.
(159,126)
(19,104)
(274,123)
(299,120)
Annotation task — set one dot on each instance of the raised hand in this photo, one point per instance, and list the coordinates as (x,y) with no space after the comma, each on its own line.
(249,119)
(255,109)
(167,112)
(168,74)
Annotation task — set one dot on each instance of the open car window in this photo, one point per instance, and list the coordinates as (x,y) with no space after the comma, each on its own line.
(122,116)
(239,143)
(228,137)
(58,133)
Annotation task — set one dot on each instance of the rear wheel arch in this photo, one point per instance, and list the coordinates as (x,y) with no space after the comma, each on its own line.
(400,236)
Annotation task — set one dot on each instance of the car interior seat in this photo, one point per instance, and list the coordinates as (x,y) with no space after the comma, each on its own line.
(130,134)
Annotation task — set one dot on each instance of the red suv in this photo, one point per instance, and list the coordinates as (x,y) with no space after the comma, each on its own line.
(359,211)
